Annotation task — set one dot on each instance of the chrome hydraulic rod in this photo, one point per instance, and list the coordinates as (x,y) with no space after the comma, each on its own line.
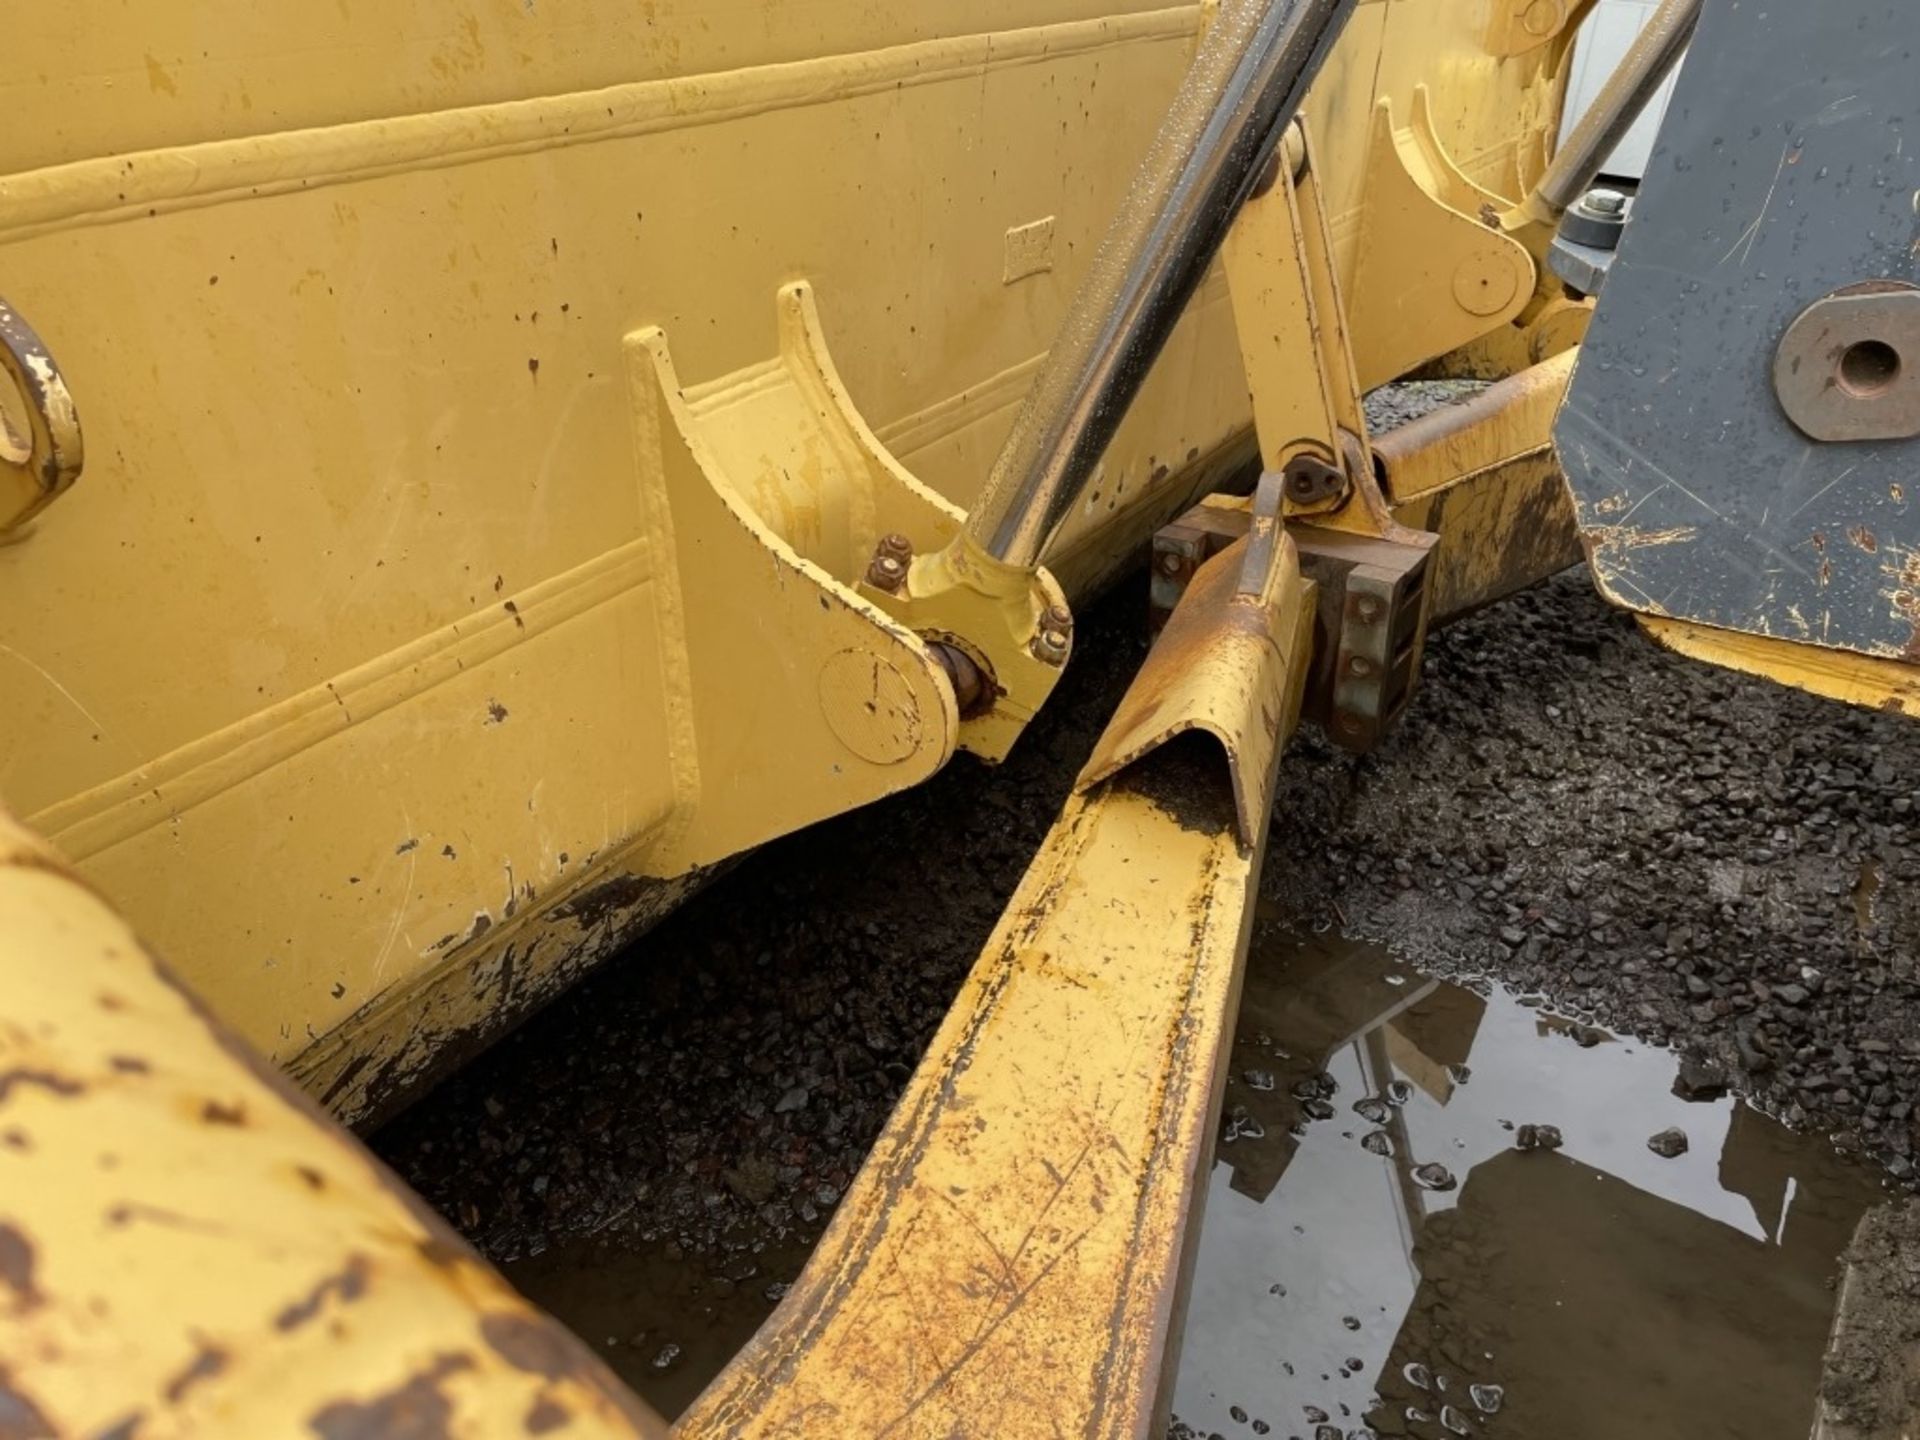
(1627,93)
(1245,85)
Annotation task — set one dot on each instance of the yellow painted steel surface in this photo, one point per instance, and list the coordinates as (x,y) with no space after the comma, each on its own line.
(1837,674)
(1483,477)
(188,1249)
(400,651)
(1010,1260)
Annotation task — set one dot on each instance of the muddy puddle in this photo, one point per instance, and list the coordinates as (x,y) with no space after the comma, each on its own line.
(1382,1257)
(664,1322)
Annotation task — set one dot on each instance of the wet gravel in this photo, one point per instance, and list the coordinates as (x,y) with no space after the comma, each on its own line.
(1672,851)
(1869,1387)
(714,1091)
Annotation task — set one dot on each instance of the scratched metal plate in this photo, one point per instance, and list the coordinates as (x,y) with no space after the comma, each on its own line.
(1788,166)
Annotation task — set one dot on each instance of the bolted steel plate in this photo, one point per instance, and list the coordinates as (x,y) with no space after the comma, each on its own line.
(1738,433)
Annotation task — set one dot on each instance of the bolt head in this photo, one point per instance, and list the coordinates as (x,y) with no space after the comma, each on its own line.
(1171,563)
(896,544)
(1367,608)
(1605,202)
(1360,665)
(1058,617)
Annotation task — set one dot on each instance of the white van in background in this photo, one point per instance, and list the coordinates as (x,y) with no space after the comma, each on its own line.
(1604,38)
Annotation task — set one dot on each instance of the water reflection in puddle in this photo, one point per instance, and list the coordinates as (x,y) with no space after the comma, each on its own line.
(1404,1268)
(664,1323)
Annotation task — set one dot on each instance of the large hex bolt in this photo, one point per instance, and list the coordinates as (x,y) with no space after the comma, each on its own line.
(891,557)
(1055,635)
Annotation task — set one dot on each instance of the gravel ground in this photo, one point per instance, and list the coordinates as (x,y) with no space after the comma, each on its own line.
(1871,1388)
(1674,851)
(719,1087)
(1699,859)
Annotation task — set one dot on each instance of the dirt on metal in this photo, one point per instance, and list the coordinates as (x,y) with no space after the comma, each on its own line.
(681,1126)
(1437,1210)
(1663,850)
(1871,1387)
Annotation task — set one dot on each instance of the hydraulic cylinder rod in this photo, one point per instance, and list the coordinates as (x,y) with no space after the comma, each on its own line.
(1245,85)
(1620,102)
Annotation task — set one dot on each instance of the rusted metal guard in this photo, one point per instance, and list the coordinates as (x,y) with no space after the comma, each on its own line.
(189,1248)
(1221,668)
(1010,1261)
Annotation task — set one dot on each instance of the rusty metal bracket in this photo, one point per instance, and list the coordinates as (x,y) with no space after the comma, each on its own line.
(1483,476)
(1003,632)
(1225,663)
(1371,630)
(1182,546)
(1374,602)
(1848,367)
(41,450)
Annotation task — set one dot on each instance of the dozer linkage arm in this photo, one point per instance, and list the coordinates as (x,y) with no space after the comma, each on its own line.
(1010,1260)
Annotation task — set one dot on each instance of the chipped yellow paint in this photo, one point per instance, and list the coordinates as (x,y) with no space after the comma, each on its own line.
(1010,1260)
(42,447)
(187,1248)
(407,646)
(1868,680)
(1483,476)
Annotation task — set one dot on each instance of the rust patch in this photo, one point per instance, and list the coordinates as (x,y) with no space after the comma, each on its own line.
(122,1430)
(216,1113)
(129,1065)
(1629,537)
(546,1414)
(46,1080)
(417,1410)
(540,1347)
(20,1418)
(527,1344)
(496,712)
(207,1362)
(349,1285)
(315,1180)
(1902,593)
(439,1253)
(16,1269)
(1863,538)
